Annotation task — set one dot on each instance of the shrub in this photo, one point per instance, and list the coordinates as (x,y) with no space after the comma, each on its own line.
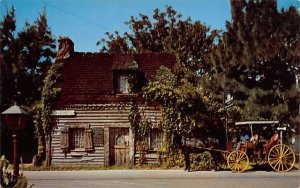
(202,161)
(7,179)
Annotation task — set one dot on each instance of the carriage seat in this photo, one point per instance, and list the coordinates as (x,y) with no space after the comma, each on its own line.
(270,143)
(229,146)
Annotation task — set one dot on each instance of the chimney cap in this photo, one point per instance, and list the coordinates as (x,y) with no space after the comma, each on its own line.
(65,48)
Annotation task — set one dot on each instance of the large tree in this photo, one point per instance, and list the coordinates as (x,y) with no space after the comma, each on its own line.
(258,59)
(8,58)
(37,51)
(166,32)
(25,57)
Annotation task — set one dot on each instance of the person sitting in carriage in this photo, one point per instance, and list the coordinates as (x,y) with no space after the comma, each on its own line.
(244,137)
(255,139)
(257,144)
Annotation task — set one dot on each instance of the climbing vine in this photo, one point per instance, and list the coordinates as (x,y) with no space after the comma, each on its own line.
(161,90)
(43,108)
(140,131)
(185,106)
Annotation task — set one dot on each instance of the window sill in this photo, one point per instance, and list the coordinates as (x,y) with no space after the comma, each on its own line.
(78,150)
(77,153)
(153,150)
(126,94)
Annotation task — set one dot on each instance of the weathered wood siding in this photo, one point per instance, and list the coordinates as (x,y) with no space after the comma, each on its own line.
(151,157)
(97,116)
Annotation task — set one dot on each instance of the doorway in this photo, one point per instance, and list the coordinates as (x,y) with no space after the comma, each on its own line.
(118,146)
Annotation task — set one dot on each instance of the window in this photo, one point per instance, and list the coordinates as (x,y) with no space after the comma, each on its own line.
(123,84)
(155,139)
(76,138)
(127,82)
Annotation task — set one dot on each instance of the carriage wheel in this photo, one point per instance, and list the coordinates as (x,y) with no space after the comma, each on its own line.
(238,161)
(281,158)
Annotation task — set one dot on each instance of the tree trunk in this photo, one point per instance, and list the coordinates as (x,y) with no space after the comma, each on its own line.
(48,149)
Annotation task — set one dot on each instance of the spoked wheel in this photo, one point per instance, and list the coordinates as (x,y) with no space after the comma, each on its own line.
(281,158)
(238,161)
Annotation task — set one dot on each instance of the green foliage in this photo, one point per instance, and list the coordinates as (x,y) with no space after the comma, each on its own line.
(258,60)
(25,59)
(140,130)
(162,90)
(184,102)
(43,108)
(141,146)
(174,157)
(167,32)
(202,161)
(7,179)
(25,56)
(185,107)
(179,92)
(8,41)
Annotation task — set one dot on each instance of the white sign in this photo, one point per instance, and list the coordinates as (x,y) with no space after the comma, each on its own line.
(229,98)
(63,113)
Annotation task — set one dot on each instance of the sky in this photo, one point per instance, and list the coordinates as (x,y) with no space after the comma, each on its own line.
(86,21)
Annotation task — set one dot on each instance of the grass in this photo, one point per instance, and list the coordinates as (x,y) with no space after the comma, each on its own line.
(43,167)
(31,167)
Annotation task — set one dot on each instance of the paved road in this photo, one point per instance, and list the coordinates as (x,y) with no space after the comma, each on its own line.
(161,178)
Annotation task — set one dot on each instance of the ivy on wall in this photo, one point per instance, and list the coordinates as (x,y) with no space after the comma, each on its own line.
(185,107)
(140,130)
(43,108)
(162,90)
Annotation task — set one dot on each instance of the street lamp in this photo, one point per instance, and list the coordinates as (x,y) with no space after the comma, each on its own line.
(16,120)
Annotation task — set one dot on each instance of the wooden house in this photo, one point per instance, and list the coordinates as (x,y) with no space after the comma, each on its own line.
(90,118)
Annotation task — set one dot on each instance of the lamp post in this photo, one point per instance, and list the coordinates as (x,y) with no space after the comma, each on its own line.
(16,120)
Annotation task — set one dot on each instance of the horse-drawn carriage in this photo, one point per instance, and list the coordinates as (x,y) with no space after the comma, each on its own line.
(260,148)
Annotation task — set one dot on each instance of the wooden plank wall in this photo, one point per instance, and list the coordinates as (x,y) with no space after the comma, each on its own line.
(151,158)
(97,116)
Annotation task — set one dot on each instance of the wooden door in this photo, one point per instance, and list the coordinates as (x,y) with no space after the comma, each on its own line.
(118,146)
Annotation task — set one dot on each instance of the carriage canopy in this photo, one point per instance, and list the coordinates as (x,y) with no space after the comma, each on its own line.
(262,122)
(256,123)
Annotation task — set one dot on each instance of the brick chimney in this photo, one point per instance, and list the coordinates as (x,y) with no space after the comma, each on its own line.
(65,48)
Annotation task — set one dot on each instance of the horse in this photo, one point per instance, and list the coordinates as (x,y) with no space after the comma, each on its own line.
(200,145)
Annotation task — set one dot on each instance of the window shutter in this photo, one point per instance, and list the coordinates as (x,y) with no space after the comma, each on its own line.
(64,138)
(88,140)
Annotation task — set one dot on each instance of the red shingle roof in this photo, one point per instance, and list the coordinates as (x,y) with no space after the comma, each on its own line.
(88,77)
